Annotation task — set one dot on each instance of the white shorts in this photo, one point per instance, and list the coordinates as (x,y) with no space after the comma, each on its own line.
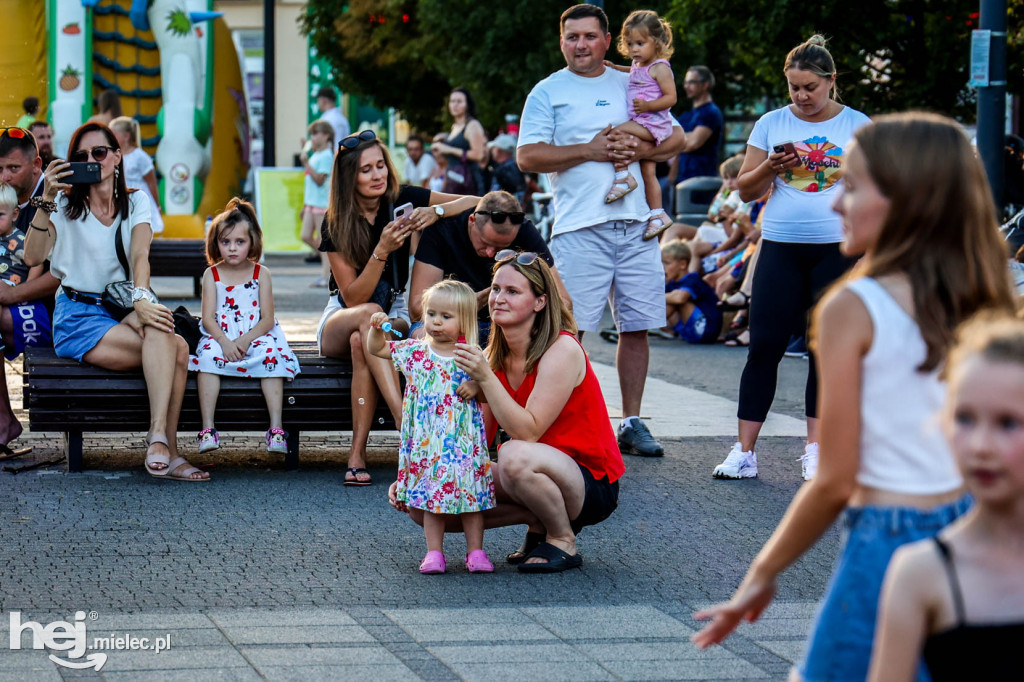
(611,263)
(399,310)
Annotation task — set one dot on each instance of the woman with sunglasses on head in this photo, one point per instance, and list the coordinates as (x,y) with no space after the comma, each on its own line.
(77,226)
(560,471)
(368,251)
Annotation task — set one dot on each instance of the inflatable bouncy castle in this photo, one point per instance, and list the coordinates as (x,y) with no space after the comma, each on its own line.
(176,71)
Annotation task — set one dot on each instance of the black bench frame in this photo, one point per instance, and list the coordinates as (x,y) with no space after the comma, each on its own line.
(73,398)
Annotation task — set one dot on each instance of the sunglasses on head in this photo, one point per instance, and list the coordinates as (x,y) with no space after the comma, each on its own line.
(498,217)
(98,153)
(14,132)
(352,141)
(521,257)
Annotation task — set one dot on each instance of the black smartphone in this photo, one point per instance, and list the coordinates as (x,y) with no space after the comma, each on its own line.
(83,173)
(785,147)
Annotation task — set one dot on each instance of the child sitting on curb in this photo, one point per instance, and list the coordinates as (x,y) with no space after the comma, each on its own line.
(690,304)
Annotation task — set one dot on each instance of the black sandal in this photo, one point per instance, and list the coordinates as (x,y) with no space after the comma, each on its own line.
(557,560)
(530,543)
(7,453)
(355,471)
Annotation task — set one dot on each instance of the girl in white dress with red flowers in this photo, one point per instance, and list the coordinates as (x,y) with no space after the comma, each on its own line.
(240,335)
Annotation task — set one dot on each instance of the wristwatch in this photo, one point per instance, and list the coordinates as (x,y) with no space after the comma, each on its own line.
(143,294)
(439,210)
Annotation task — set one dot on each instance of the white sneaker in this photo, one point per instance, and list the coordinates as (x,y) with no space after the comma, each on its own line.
(737,464)
(809,461)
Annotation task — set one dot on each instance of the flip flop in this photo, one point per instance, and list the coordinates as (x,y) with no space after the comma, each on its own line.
(7,453)
(185,475)
(157,458)
(558,560)
(355,471)
(529,544)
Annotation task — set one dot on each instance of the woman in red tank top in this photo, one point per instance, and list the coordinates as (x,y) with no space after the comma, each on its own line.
(560,470)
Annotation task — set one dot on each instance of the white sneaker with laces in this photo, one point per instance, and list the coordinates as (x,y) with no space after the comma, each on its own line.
(738,464)
(809,461)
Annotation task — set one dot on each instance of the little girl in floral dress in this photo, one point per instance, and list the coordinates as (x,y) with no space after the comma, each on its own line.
(240,338)
(443,465)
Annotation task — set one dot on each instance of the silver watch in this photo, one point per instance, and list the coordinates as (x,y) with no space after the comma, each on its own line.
(143,294)
(439,210)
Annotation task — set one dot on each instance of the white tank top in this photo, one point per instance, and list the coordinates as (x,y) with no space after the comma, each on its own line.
(902,448)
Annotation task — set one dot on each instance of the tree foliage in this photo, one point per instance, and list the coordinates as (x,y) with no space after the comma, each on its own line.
(891,54)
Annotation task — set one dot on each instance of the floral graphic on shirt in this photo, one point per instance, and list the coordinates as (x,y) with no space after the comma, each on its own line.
(820,165)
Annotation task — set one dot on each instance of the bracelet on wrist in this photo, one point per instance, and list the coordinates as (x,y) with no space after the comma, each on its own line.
(43,204)
(374,255)
(40,229)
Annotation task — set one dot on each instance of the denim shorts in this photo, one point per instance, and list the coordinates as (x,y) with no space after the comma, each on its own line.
(840,644)
(78,327)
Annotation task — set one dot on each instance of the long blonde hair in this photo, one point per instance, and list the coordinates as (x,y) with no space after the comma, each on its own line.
(551,321)
(464,299)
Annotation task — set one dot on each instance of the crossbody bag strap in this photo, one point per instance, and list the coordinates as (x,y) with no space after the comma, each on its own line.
(119,246)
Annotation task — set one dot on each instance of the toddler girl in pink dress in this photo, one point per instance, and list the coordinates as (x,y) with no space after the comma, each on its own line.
(647,39)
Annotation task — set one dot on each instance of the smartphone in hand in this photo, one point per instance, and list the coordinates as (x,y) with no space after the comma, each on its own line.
(402,211)
(83,173)
(785,148)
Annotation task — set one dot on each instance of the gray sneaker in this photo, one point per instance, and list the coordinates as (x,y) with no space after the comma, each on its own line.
(636,439)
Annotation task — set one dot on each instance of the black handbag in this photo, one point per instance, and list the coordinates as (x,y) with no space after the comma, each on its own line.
(117,296)
(186,325)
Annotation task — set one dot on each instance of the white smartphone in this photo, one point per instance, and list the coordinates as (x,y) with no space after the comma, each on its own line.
(402,211)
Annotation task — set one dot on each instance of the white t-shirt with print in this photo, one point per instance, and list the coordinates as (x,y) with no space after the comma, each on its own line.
(800,208)
(566,109)
(84,257)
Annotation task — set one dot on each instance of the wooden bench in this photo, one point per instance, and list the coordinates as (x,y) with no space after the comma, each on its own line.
(71,398)
(179,258)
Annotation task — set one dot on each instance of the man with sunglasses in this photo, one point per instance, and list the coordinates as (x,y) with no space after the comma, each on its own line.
(463,247)
(22,168)
(566,132)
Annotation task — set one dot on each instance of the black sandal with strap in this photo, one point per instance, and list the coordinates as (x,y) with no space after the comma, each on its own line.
(355,471)
(529,544)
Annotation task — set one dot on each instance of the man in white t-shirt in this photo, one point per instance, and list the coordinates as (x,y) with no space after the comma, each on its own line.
(327,103)
(419,165)
(566,132)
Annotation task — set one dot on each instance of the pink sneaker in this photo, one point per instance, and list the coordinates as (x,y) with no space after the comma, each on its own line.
(477,562)
(433,563)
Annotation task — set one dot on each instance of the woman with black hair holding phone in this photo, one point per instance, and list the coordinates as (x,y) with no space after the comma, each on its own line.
(368,251)
(95,233)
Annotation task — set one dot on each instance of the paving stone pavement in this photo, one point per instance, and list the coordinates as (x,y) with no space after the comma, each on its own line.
(272,574)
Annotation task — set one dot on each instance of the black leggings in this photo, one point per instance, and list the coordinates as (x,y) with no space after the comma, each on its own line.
(788,280)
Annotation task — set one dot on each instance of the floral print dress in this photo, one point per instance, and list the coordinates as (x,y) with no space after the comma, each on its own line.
(443,466)
(238,311)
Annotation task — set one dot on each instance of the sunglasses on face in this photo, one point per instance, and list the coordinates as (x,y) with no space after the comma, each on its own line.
(521,257)
(352,141)
(498,217)
(14,132)
(98,153)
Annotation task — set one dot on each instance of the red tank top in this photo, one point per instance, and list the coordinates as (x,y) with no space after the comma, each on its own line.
(583,429)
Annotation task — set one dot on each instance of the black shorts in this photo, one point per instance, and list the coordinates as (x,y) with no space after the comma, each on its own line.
(600,498)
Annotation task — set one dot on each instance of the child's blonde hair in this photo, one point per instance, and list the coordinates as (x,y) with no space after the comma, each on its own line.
(730,168)
(996,337)
(127,124)
(677,249)
(321,126)
(464,298)
(236,211)
(8,196)
(649,23)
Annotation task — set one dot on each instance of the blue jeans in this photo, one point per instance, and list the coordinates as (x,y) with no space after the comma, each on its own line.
(844,630)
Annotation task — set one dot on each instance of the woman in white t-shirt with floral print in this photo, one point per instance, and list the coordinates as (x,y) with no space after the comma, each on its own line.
(795,151)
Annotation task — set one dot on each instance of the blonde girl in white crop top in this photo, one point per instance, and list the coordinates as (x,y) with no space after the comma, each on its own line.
(931,257)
